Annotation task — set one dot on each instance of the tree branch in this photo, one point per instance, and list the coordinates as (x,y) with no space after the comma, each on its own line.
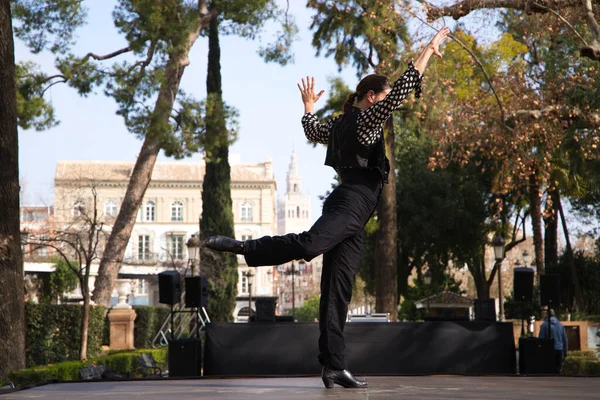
(107,56)
(564,113)
(565,21)
(52,84)
(465,7)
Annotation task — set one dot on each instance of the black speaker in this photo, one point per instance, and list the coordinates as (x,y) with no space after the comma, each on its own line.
(265,309)
(523,284)
(185,357)
(169,287)
(485,309)
(536,356)
(196,291)
(550,290)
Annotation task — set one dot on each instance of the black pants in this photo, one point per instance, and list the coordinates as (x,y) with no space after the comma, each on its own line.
(559,355)
(337,234)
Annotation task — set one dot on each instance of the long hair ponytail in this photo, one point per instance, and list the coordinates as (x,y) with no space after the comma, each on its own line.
(350,102)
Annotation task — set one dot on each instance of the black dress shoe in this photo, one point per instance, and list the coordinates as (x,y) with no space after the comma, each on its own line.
(224,243)
(341,377)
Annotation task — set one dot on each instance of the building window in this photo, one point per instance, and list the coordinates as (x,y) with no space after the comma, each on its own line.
(78,208)
(247,211)
(110,208)
(150,214)
(244,281)
(295,188)
(246,237)
(143,247)
(175,246)
(177,211)
(142,287)
(297,212)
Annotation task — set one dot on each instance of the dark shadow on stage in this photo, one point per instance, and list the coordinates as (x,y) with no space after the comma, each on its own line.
(408,348)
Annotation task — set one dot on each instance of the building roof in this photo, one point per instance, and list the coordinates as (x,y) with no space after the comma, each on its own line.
(446,298)
(120,171)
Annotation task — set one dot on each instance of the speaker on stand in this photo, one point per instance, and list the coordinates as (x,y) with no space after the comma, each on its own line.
(196,298)
(523,290)
(169,291)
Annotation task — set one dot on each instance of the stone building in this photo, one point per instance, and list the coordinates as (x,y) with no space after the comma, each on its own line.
(169,215)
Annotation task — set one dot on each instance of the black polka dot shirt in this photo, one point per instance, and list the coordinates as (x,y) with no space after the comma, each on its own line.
(370,121)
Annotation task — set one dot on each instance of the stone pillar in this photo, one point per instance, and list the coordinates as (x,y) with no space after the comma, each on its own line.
(121,319)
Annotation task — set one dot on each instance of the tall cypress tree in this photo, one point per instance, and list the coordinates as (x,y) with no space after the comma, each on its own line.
(217,215)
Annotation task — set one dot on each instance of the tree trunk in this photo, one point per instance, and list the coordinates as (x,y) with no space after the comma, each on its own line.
(386,250)
(536,222)
(85,321)
(217,215)
(571,258)
(12,323)
(142,174)
(551,231)
(479,276)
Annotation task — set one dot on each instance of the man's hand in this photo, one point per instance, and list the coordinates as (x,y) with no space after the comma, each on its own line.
(309,97)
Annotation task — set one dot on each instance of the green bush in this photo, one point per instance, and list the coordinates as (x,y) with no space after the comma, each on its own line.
(148,322)
(122,362)
(591,368)
(54,332)
(583,353)
(573,365)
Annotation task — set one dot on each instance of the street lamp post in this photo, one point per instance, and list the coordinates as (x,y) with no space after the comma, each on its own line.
(193,246)
(250,276)
(293,291)
(427,279)
(498,243)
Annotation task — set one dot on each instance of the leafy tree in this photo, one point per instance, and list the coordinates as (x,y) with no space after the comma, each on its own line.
(309,310)
(557,99)
(77,245)
(161,35)
(60,281)
(574,10)
(20,105)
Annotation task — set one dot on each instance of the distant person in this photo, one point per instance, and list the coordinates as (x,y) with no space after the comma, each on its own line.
(356,150)
(561,343)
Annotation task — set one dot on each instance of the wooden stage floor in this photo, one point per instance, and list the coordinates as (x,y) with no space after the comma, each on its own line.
(397,387)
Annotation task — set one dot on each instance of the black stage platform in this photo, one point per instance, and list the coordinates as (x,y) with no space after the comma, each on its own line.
(276,349)
(414,387)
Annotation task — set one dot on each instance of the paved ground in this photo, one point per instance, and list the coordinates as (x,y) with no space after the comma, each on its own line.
(405,387)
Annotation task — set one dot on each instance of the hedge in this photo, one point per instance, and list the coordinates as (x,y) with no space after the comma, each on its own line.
(581,363)
(582,353)
(121,362)
(54,332)
(148,322)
